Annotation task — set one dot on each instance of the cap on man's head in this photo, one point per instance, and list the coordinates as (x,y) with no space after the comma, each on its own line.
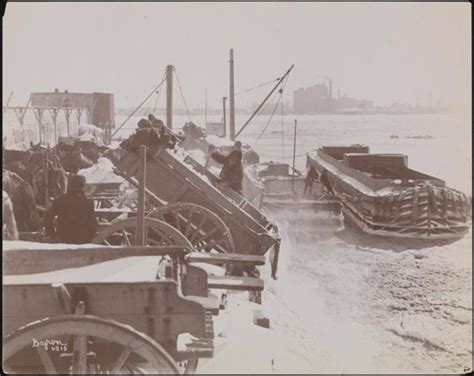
(143,123)
(238,144)
(76,183)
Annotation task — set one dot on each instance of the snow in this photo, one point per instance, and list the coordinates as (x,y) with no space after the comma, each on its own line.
(101,172)
(219,141)
(90,132)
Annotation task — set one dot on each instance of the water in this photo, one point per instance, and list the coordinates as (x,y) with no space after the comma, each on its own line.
(346,307)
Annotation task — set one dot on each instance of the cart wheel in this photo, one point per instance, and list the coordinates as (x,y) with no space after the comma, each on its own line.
(188,367)
(201,226)
(156,233)
(130,347)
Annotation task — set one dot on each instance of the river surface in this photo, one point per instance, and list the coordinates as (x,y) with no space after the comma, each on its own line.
(345,303)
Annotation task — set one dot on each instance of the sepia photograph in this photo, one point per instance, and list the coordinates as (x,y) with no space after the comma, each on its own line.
(237,188)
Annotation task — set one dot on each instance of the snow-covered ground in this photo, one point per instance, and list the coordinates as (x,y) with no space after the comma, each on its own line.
(345,304)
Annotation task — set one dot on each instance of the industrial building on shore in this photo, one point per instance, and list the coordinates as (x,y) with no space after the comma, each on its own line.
(319,99)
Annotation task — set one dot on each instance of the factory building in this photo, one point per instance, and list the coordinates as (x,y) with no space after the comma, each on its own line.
(318,99)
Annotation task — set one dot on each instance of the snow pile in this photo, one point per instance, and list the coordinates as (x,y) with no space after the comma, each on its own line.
(89,132)
(101,172)
(219,141)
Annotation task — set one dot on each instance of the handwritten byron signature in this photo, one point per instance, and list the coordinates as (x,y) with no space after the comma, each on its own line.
(50,344)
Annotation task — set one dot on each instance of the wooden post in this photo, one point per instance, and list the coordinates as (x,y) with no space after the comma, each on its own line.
(169,96)
(54,115)
(39,118)
(294,157)
(223,109)
(67,115)
(78,115)
(46,181)
(140,233)
(5,108)
(231,97)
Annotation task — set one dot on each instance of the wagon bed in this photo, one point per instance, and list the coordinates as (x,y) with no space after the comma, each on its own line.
(170,180)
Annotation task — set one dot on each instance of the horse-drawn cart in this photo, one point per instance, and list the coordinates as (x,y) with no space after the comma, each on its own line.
(211,218)
(99,310)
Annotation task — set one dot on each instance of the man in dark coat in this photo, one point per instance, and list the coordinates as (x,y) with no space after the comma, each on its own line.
(308,182)
(232,171)
(325,180)
(76,220)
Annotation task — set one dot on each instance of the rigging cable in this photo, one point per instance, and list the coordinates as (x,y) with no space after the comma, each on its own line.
(282,88)
(182,95)
(139,106)
(256,87)
(158,96)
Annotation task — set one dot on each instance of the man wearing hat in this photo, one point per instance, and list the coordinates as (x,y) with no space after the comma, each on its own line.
(76,220)
(232,170)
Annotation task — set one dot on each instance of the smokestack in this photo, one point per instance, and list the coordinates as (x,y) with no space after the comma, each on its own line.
(338,93)
(330,89)
(231,97)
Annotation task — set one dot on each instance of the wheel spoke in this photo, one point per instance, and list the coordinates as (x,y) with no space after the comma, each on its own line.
(121,360)
(79,364)
(46,360)
(188,223)
(125,235)
(208,235)
(176,218)
(198,230)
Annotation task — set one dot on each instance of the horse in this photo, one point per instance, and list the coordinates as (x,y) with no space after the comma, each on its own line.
(72,158)
(23,200)
(10,229)
(32,170)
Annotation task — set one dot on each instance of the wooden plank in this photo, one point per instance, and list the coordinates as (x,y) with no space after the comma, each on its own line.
(228,259)
(30,261)
(235,283)
(140,231)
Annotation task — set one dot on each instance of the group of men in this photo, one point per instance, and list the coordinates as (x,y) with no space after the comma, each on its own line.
(71,217)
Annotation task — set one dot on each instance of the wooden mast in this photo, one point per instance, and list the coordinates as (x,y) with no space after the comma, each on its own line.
(294,157)
(223,111)
(205,106)
(231,97)
(169,96)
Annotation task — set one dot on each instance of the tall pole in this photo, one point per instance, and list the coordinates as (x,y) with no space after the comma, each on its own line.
(140,236)
(223,111)
(231,97)
(294,156)
(169,96)
(205,106)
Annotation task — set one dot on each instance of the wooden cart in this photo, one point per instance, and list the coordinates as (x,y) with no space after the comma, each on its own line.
(109,310)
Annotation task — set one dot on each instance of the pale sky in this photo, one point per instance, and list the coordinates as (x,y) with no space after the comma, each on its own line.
(381,51)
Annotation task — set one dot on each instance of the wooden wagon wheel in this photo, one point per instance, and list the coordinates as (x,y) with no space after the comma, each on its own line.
(156,233)
(188,367)
(201,226)
(88,331)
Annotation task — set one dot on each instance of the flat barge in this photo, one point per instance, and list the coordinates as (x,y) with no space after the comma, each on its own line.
(271,187)
(382,196)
